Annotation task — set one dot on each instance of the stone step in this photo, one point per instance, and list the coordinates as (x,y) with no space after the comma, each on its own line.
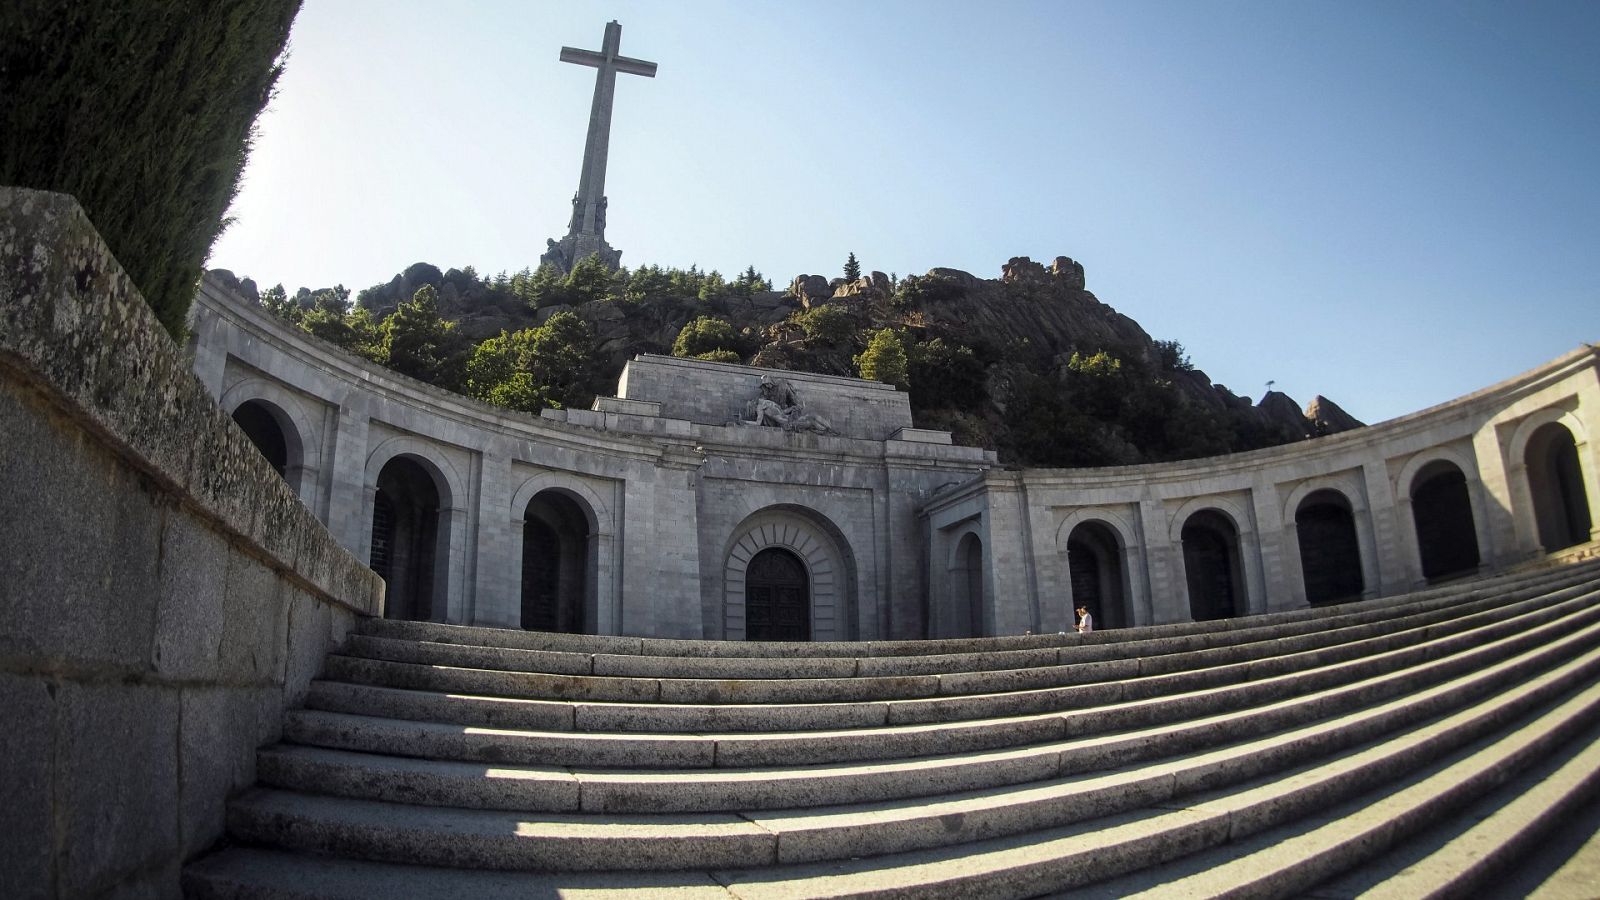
(1472,853)
(1072,860)
(250,873)
(880,738)
(1308,618)
(957,673)
(1348,833)
(467,696)
(586,788)
(492,839)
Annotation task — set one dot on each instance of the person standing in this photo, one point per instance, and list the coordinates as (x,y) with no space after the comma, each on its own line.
(1085,620)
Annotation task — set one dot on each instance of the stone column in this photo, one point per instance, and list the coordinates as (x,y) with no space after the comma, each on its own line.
(1394,569)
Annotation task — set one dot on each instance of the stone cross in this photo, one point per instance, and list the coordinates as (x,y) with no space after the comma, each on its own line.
(588,213)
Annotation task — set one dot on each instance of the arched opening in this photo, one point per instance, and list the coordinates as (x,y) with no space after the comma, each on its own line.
(405,538)
(261,426)
(964,616)
(1211,565)
(1447,537)
(1330,552)
(1094,567)
(777,603)
(556,550)
(823,608)
(1556,482)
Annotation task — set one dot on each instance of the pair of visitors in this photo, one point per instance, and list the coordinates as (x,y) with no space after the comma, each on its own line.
(1085,620)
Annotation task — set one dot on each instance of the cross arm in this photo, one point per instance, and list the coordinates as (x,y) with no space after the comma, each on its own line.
(635,66)
(596,60)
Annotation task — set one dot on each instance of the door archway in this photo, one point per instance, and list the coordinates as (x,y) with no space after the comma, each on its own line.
(776,597)
(405,538)
(1560,503)
(264,430)
(557,576)
(1330,551)
(963,615)
(1441,512)
(1094,569)
(1211,566)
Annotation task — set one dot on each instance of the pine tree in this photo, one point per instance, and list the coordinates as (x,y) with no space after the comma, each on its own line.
(143,112)
(884,359)
(852,268)
(415,341)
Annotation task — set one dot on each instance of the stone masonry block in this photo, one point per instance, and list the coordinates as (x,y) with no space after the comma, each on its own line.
(27,707)
(189,623)
(117,776)
(310,633)
(64,506)
(217,758)
(254,622)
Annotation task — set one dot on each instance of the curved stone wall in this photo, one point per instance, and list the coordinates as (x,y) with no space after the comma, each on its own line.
(675,507)
(1025,517)
(667,499)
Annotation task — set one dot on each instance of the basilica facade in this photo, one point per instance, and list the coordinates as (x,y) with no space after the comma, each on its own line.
(718,501)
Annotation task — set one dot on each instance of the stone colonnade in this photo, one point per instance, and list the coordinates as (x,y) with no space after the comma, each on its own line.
(1521,452)
(654,520)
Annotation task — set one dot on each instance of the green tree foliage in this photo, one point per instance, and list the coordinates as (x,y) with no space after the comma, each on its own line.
(534,368)
(1107,405)
(276,301)
(1172,357)
(143,112)
(915,290)
(852,268)
(415,341)
(706,335)
(590,280)
(884,359)
(545,286)
(830,324)
(1108,408)
(648,283)
(946,375)
(748,282)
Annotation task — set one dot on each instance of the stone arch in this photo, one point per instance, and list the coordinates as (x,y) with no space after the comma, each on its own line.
(601,604)
(449,541)
(1445,520)
(1331,558)
(1100,552)
(1251,587)
(1555,478)
(965,593)
(1406,480)
(821,549)
(302,465)
(1349,486)
(1213,565)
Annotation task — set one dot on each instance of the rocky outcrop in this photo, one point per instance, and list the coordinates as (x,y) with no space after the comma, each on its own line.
(1068,272)
(811,290)
(1281,413)
(1327,418)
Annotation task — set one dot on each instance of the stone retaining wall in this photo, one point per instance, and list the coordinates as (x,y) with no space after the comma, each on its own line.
(163,593)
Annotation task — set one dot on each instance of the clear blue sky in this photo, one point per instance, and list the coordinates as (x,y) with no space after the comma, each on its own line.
(1388,203)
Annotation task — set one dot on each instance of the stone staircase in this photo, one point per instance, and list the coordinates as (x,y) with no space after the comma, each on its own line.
(1414,746)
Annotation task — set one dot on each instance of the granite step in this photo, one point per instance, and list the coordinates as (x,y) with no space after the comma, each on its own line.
(1472,852)
(958,673)
(1303,857)
(587,788)
(507,699)
(877,736)
(1097,805)
(1307,619)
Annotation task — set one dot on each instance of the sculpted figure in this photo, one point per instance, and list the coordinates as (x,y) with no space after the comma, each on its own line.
(778,405)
